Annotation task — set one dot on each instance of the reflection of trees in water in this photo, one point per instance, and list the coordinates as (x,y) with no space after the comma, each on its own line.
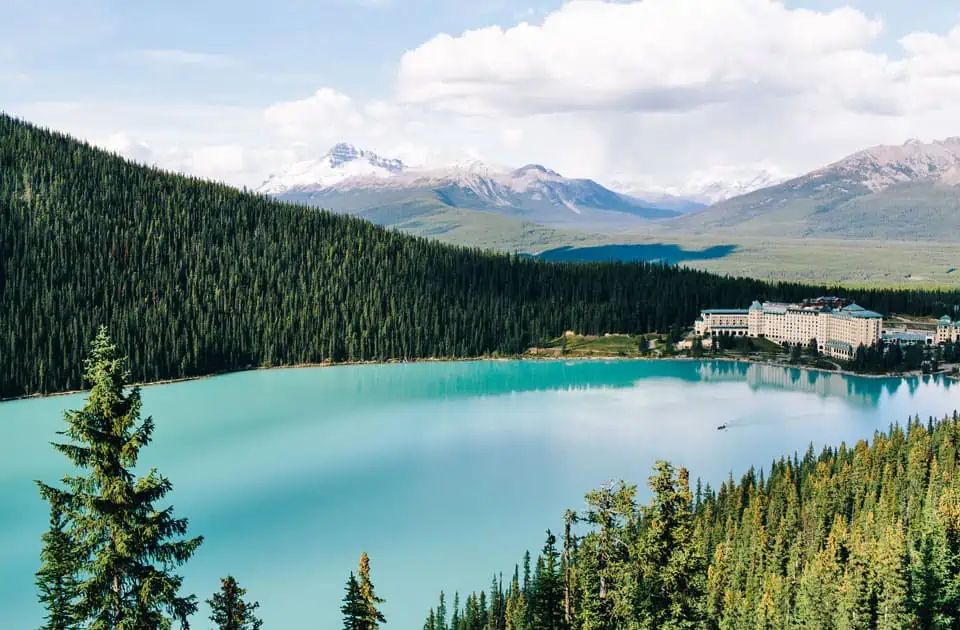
(463,379)
(371,384)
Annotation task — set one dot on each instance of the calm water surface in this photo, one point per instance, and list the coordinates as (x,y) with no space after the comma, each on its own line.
(443,472)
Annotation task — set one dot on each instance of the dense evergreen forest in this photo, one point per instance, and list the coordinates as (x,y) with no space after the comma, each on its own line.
(851,538)
(196,277)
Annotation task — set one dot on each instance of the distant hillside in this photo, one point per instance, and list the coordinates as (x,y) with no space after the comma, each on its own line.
(355,181)
(887,192)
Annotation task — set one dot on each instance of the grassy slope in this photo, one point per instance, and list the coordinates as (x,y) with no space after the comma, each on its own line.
(861,243)
(855,263)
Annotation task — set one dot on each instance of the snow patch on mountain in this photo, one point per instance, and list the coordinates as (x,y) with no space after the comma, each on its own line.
(342,162)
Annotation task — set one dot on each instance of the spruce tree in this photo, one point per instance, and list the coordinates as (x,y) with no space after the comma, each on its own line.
(671,565)
(431,622)
(442,613)
(127,545)
(371,602)
(354,608)
(56,579)
(455,619)
(229,610)
(547,591)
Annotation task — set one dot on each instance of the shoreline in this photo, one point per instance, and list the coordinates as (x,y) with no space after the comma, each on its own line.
(521,357)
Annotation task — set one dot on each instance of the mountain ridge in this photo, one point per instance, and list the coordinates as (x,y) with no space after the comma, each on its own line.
(885,191)
(363,181)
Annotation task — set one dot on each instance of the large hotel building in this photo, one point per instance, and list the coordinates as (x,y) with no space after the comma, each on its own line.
(948,330)
(839,328)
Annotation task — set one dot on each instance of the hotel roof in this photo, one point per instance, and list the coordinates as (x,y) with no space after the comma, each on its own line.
(725,311)
(855,310)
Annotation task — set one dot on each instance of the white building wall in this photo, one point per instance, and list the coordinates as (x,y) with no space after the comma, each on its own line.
(948,332)
(797,325)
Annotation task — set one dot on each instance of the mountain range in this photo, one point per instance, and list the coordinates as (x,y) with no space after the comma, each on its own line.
(903,192)
(353,180)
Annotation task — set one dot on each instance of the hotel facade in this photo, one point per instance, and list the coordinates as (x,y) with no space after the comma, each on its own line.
(838,328)
(948,330)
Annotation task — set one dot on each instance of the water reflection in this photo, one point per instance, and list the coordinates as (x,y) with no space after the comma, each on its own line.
(863,390)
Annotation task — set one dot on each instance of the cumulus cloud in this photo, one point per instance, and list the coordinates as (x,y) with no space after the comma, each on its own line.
(312,124)
(326,113)
(655,55)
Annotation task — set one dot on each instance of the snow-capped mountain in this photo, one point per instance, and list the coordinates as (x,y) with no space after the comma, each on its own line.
(342,162)
(889,191)
(353,180)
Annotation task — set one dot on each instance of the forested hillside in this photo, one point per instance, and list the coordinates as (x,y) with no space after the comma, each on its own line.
(195,277)
(858,538)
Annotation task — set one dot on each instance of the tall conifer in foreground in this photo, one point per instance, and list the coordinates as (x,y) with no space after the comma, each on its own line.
(229,610)
(126,546)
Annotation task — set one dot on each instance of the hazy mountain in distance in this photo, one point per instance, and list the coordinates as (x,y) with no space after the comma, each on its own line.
(702,191)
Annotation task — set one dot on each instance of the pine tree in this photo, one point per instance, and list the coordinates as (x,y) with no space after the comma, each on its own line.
(127,545)
(547,591)
(373,615)
(891,572)
(441,618)
(455,619)
(671,564)
(229,610)
(56,579)
(517,615)
(354,607)
(431,622)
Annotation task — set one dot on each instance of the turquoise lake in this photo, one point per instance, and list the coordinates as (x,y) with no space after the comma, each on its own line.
(443,472)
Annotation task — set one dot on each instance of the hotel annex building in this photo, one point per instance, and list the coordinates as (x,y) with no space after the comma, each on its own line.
(839,328)
(948,330)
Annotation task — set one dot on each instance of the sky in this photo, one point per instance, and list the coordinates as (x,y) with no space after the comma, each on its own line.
(658,94)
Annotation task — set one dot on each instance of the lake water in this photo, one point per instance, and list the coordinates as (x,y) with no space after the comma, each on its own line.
(443,472)
(662,252)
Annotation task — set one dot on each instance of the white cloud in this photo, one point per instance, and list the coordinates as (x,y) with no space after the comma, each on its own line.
(122,143)
(327,114)
(655,55)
